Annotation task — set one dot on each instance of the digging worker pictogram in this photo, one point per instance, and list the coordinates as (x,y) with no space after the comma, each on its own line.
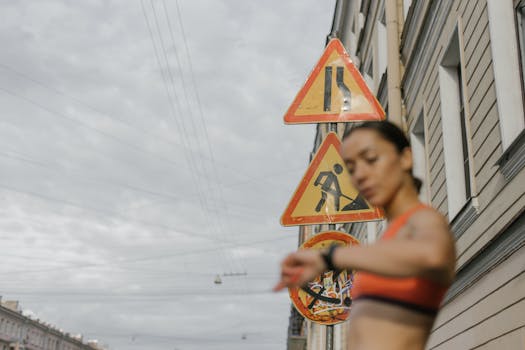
(330,186)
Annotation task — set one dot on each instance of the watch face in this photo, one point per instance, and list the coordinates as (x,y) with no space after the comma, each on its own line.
(326,300)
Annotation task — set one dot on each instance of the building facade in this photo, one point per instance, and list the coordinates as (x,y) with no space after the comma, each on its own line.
(19,332)
(451,74)
(463,85)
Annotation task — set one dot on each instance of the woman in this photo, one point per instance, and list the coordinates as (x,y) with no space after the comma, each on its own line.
(402,278)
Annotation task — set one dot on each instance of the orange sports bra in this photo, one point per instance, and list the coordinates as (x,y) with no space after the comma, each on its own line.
(415,293)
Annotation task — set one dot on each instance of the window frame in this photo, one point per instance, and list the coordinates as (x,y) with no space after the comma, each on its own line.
(520,35)
(506,58)
(419,143)
(460,179)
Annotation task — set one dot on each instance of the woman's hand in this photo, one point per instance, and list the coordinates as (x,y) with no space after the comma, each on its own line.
(299,268)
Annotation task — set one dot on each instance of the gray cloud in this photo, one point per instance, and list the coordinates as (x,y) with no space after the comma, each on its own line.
(118,207)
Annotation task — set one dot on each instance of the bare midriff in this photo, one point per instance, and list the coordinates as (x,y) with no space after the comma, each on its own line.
(376,325)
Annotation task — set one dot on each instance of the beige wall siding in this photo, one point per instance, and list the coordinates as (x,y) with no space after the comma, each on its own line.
(437,161)
(481,99)
(478,73)
(486,312)
(487,104)
(493,327)
(499,212)
(475,20)
(513,340)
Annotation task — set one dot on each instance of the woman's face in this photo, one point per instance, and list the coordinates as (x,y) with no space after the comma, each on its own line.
(378,170)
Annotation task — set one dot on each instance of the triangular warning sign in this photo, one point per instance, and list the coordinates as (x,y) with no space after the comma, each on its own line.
(334,92)
(325,194)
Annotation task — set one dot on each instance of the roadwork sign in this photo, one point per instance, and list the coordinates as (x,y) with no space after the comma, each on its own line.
(327,299)
(334,92)
(326,194)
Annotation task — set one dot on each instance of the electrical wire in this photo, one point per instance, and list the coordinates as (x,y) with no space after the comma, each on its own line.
(175,104)
(148,258)
(167,197)
(250,179)
(215,190)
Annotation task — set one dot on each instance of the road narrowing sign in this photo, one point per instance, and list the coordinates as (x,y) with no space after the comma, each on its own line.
(325,194)
(334,92)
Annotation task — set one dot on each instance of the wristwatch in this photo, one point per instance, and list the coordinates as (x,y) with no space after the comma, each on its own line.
(328,256)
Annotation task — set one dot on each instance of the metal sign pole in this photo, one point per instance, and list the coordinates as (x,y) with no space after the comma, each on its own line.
(330,328)
(330,337)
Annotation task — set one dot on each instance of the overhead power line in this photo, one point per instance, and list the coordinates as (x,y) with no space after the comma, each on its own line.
(142,130)
(148,258)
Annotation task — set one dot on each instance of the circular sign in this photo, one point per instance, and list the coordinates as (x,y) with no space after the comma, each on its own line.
(326,299)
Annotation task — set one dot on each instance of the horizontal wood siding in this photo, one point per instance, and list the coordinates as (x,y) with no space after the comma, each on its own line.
(489,313)
(487,105)
(513,340)
(496,213)
(489,310)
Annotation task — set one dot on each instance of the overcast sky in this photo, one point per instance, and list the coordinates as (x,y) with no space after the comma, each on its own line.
(142,152)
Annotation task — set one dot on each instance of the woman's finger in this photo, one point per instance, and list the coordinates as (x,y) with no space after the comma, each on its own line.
(290,277)
(279,286)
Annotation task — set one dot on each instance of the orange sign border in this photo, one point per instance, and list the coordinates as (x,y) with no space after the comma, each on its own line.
(287,219)
(334,44)
(294,292)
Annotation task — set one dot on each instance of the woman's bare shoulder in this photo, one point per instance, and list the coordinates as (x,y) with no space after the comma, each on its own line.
(429,220)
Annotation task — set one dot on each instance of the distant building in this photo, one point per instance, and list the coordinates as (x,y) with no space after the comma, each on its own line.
(451,73)
(19,332)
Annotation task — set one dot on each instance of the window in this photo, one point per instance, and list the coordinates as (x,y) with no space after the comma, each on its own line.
(370,69)
(464,138)
(367,72)
(456,135)
(520,23)
(381,48)
(406,6)
(506,41)
(419,154)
